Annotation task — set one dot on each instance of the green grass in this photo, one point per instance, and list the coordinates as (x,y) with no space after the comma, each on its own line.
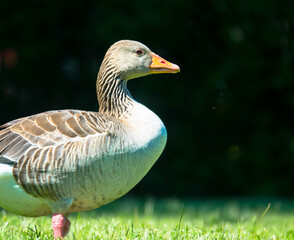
(166,219)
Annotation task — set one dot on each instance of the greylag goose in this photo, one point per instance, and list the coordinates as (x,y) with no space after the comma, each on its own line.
(65,161)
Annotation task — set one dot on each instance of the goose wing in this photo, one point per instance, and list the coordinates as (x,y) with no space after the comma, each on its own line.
(48,129)
(36,146)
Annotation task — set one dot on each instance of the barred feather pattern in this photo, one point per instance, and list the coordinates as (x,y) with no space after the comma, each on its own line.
(46,149)
(113,96)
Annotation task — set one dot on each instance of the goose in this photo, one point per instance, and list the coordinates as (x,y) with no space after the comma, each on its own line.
(65,161)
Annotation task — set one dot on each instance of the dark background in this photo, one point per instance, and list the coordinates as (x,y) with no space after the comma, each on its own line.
(229,113)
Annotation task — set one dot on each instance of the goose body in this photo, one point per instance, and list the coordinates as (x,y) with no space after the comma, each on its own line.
(65,161)
(130,149)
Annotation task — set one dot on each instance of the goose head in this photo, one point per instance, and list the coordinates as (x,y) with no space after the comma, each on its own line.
(132,59)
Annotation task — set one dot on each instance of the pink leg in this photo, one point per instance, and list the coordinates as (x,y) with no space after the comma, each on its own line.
(60,225)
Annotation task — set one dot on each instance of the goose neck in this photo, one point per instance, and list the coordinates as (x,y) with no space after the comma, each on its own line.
(114,98)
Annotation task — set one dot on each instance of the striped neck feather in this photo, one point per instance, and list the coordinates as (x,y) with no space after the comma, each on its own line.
(113,96)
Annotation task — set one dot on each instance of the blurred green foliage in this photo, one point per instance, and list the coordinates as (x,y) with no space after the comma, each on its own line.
(229,113)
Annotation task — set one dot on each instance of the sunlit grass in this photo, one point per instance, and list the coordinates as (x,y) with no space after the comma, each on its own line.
(166,219)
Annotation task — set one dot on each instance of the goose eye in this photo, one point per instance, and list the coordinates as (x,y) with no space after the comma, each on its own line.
(139,52)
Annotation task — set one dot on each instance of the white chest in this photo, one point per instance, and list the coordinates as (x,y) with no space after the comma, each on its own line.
(127,158)
(147,129)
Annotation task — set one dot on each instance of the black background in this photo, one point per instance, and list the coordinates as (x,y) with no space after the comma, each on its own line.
(229,113)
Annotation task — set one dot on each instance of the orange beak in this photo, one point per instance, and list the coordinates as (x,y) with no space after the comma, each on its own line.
(159,65)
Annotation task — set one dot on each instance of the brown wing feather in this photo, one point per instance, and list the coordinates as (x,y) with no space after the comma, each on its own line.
(37,145)
(48,129)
